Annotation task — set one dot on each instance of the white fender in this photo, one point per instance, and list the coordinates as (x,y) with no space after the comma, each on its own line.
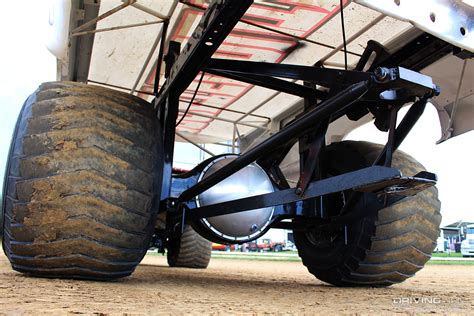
(57,28)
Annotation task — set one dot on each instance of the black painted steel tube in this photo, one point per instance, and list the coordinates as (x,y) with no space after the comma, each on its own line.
(159,61)
(404,128)
(340,101)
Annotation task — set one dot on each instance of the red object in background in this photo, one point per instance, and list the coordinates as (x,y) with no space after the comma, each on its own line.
(179,170)
(220,247)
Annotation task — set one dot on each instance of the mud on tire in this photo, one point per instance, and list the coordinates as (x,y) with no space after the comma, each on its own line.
(81,183)
(382,249)
(190,251)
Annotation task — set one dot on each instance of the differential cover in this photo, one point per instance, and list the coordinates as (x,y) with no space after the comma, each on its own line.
(249,181)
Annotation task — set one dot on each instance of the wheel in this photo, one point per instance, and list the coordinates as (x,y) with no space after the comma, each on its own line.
(377,250)
(189,251)
(81,182)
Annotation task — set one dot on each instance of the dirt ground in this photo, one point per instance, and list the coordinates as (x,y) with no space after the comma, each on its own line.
(233,286)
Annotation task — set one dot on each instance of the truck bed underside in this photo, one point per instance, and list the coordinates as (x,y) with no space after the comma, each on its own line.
(288,32)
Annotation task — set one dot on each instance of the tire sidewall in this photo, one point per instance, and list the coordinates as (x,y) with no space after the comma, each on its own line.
(14,150)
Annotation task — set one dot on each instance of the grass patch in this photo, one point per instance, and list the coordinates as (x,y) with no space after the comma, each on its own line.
(289,251)
(297,259)
(283,258)
(451,263)
(446,255)
(257,258)
(154,253)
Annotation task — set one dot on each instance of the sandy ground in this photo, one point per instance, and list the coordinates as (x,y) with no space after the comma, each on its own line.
(233,286)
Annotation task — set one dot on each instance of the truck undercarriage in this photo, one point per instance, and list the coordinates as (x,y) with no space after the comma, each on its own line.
(361,214)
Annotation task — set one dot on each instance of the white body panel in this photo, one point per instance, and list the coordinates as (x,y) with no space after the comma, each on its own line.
(126,59)
(57,28)
(118,56)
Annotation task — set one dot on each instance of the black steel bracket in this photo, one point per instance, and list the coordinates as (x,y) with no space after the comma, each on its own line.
(217,22)
(376,179)
(335,92)
(182,67)
(342,100)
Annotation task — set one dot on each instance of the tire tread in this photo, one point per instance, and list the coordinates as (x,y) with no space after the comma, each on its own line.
(395,244)
(193,251)
(81,185)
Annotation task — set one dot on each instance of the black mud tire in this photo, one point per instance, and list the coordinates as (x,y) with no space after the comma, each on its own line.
(81,183)
(382,249)
(189,251)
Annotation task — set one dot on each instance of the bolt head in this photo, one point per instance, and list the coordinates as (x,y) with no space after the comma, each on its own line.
(381,73)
